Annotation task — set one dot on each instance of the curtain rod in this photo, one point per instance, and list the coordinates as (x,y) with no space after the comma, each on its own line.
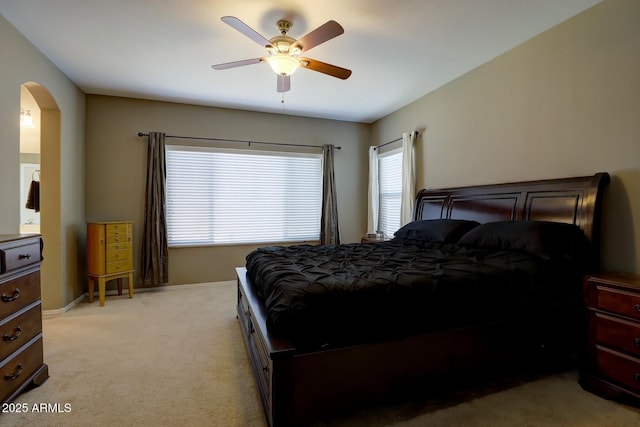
(391,142)
(239,140)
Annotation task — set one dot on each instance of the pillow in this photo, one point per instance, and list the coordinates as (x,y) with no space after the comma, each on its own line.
(436,230)
(541,237)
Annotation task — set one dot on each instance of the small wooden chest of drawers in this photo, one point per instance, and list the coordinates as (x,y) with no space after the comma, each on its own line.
(21,352)
(109,255)
(611,365)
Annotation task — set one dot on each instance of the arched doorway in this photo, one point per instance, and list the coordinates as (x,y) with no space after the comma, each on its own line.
(29,163)
(48,130)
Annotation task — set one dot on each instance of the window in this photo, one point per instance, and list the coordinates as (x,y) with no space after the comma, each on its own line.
(390,176)
(221,196)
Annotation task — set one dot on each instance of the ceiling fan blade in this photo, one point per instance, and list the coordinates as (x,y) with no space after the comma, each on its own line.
(322,67)
(235,64)
(324,32)
(246,30)
(284,83)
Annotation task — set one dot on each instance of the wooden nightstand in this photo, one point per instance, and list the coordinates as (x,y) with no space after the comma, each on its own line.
(611,365)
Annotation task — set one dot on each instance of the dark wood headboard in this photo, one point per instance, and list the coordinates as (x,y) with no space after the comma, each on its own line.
(569,200)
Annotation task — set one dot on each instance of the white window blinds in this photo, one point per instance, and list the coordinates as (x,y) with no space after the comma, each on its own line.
(390,176)
(220,196)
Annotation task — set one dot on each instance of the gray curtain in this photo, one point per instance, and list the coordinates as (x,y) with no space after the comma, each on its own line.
(155,247)
(329,232)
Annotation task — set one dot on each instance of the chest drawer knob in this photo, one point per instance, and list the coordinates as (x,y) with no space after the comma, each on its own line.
(636,377)
(637,307)
(16,374)
(15,296)
(16,333)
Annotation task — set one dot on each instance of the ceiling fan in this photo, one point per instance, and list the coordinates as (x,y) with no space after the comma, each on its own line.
(285,52)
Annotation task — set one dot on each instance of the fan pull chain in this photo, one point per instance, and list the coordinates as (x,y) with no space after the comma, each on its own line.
(282,102)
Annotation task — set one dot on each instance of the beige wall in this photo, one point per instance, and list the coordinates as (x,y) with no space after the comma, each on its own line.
(565,103)
(62,167)
(116,161)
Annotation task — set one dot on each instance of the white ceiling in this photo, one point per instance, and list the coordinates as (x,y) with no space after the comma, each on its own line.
(399,50)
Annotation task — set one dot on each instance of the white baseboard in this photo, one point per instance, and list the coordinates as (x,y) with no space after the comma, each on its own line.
(66,308)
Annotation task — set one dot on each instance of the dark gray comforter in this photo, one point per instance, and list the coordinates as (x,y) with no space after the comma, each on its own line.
(352,292)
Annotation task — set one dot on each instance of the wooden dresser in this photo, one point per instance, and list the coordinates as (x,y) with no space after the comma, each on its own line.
(21,355)
(611,367)
(109,255)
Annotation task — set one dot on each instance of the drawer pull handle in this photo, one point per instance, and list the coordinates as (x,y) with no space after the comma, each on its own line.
(15,296)
(637,307)
(24,256)
(16,374)
(636,377)
(16,333)
(636,341)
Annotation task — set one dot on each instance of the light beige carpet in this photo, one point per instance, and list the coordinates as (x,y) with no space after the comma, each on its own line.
(176,358)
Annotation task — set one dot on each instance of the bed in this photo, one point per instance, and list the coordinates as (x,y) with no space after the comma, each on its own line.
(485,277)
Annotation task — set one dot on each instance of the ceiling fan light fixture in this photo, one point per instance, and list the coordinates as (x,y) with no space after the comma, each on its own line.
(283,64)
(284,52)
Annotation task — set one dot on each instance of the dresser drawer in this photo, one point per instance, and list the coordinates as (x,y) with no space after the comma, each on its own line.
(117,230)
(617,333)
(258,353)
(118,266)
(260,360)
(619,368)
(118,239)
(117,246)
(617,301)
(17,368)
(19,328)
(19,292)
(19,256)
(121,255)
(243,313)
